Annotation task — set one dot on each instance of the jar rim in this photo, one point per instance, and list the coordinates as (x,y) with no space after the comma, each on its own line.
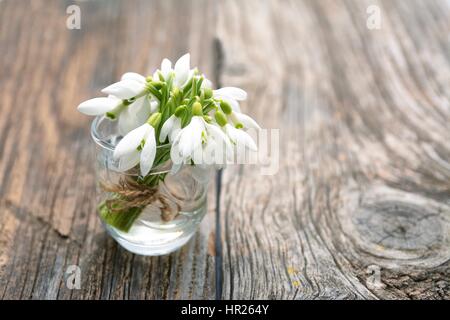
(103,143)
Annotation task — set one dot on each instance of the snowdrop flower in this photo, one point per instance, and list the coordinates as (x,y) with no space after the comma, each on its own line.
(237,118)
(172,126)
(199,141)
(237,136)
(231,95)
(132,111)
(138,146)
(99,106)
(181,71)
(190,137)
(138,111)
(131,85)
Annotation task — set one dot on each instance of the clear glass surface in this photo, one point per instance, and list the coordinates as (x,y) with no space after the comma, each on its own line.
(171,209)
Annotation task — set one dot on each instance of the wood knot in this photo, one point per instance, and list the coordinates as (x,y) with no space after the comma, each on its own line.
(399,225)
(397,228)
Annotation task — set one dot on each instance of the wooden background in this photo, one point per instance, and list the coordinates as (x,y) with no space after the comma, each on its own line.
(363,187)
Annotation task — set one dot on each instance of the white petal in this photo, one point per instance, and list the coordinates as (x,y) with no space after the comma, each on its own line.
(176,128)
(148,152)
(191,136)
(133,76)
(135,115)
(240,137)
(153,105)
(219,136)
(231,92)
(129,161)
(206,84)
(166,128)
(175,168)
(182,68)
(127,122)
(125,89)
(166,67)
(247,121)
(131,141)
(98,106)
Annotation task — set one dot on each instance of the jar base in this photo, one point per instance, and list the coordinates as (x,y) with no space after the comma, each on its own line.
(154,249)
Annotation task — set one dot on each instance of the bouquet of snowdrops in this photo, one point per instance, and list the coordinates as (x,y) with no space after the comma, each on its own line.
(173,115)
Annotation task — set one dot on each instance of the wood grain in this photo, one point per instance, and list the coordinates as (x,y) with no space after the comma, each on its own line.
(362,192)
(363,185)
(47,210)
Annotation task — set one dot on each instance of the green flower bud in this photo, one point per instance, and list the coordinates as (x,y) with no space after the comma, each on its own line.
(149,79)
(225,106)
(154,119)
(197,109)
(208,93)
(180,111)
(221,118)
(176,92)
(207,118)
(157,84)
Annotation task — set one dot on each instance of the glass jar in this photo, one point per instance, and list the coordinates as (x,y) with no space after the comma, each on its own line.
(154,215)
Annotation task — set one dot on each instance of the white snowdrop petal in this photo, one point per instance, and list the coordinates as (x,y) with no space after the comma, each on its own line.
(98,106)
(247,121)
(176,128)
(134,115)
(182,70)
(129,161)
(246,139)
(175,168)
(190,137)
(220,137)
(125,89)
(239,136)
(126,122)
(154,105)
(166,128)
(133,76)
(183,64)
(131,141)
(148,153)
(232,92)
(166,67)
(206,83)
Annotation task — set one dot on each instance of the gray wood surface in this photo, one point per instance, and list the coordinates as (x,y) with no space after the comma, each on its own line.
(359,208)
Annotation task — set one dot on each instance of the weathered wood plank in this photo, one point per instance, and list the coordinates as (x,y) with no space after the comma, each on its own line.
(363,184)
(47,208)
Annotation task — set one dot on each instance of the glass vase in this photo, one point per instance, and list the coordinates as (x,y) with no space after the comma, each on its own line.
(152,215)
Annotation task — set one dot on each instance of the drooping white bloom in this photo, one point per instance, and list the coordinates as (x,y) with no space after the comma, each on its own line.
(131,85)
(239,137)
(231,95)
(136,113)
(99,106)
(130,152)
(170,128)
(203,143)
(245,120)
(182,71)
(190,137)
(216,148)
